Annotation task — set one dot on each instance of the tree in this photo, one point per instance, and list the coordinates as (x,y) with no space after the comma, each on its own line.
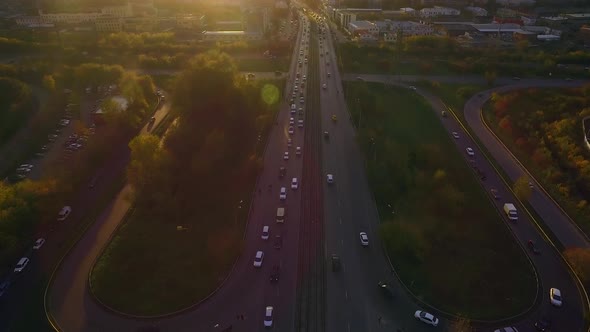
(521,188)
(579,259)
(49,82)
(490,77)
(461,324)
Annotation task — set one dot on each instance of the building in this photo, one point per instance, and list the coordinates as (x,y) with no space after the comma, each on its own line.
(109,24)
(69,18)
(359,28)
(344,18)
(118,11)
(29,21)
(515,2)
(230,35)
(439,11)
(140,24)
(476,11)
(189,21)
(406,28)
(229,25)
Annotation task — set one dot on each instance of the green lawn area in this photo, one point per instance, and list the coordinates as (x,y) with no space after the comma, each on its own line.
(261,65)
(445,239)
(151,268)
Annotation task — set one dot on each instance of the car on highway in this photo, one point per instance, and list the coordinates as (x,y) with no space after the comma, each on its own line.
(39,243)
(282,172)
(64,213)
(330,178)
(21,265)
(335,263)
(326,135)
(4,285)
(507,329)
(334,118)
(516,78)
(291,121)
(386,289)
(301,100)
(328,72)
(456,135)
(289,142)
(470,152)
(413,88)
(495,194)
(265,232)
(298,151)
(258,258)
(294,184)
(286,155)
(283,194)
(300,123)
(275,274)
(426,317)
(324,86)
(555,296)
(278,243)
(533,247)
(364,239)
(268,317)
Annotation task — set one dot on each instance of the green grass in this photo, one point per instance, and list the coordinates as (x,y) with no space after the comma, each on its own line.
(175,268)
(446,241)
(262,65)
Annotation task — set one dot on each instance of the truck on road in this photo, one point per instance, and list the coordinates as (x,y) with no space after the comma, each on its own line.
(511,211)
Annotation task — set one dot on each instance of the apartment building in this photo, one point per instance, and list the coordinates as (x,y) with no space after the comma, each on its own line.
(439,11)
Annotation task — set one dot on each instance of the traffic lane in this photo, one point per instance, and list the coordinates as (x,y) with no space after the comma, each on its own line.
(551,268)
(559,223)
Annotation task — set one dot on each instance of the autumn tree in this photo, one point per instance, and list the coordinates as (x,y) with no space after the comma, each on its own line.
(460,324)
(49,82)
(490,77)
(579,259)
(146,166)
(521,188)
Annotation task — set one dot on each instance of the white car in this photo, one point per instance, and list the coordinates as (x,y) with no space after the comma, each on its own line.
(324,86)
(265,233)
(298,151)
(455,135)
(555,296)
(328,72)
(64,213)
(283,194)
(289,142)
(291,130)
(258,258)
(413,88)
(22,263)
(330,178)
(268,317)
(294,184)
(470,152)
(286,155)
(507,329)
(291,121)
(364,239)
(426,317)
(300,123)
(39,243)
(26,166)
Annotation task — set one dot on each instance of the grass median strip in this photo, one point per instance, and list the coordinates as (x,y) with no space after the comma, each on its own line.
(445,239)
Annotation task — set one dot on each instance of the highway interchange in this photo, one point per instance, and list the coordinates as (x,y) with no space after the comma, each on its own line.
(329,219)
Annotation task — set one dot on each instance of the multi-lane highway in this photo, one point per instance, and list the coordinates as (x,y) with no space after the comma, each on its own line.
(315,212)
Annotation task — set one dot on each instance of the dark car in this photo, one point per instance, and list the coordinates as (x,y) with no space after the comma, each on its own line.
(275,274)
(335,263)
(533,247)
(278,244)
(282,172)
(387,291)
(543,324)
(326,135)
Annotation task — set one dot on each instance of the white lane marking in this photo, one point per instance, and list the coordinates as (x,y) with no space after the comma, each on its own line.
(348,326)
(346,294)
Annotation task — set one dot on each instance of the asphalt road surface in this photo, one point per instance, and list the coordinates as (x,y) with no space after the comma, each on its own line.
(550,268)
(245,293)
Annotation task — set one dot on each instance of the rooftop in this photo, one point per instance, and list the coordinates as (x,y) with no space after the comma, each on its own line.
(362,24)
(229,32)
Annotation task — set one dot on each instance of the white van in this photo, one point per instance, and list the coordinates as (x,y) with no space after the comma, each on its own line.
(280,215)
